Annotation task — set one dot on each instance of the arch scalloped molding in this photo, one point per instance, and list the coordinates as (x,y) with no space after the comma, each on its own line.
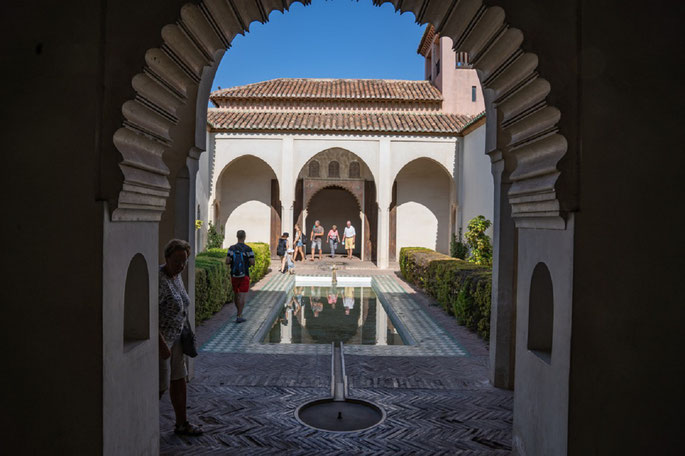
(528,126)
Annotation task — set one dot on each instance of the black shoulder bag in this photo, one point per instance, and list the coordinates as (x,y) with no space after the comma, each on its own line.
(188,340)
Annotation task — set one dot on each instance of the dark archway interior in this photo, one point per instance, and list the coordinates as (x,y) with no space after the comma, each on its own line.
(334,206)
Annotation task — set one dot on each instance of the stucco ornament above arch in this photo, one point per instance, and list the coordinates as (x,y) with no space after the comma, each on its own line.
(172,72)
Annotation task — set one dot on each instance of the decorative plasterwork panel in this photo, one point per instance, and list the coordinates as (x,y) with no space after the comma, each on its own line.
(172,72)
(314,186)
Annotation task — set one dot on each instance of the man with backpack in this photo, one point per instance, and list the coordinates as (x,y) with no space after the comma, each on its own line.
(239,259)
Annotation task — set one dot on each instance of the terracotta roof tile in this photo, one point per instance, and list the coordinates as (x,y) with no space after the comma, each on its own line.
(364,122)
(332,89)
(426,40)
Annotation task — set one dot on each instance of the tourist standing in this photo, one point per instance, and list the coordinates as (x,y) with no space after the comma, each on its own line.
(239,259)
(316,237)
(173,315)
(333,239)
(349,236)
(282,250)
(298,241)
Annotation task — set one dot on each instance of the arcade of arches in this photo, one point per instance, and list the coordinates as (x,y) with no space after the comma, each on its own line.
(127,89)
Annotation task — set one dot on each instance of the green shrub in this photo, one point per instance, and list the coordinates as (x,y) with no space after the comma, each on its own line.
(480,248)
(212,286)
(461,288)
(212,278)
(215,239)
(457,247)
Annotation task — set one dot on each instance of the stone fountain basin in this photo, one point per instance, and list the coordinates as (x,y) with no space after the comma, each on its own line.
(322,281)
(349,415)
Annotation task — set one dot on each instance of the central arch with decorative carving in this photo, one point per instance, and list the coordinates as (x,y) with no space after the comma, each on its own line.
(311,181)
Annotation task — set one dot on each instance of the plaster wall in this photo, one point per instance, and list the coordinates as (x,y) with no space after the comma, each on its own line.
(476,186)
(130,370)
(404,151)
(542,386)
(422,208)
(202,192)
(244,195)
(457,84)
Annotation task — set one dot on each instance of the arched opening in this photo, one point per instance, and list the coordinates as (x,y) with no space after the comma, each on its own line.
(363,189)
(334,206)
(136,303)
(422,206)
(541,313)
(495,49)
(247,194)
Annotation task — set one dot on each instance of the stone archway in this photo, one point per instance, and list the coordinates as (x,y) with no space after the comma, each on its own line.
(527,136)
(334,204)
(420,206)
(362,188)
(247,197)
(535,188)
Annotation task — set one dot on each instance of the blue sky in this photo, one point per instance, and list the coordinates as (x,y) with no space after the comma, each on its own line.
(328,39)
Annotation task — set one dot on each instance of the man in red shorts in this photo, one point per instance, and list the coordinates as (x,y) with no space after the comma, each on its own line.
(239,259)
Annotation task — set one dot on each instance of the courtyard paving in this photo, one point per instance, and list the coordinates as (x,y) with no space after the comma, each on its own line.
(435,404)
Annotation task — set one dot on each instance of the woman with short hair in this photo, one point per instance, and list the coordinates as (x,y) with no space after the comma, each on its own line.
(173,315)
(333,238)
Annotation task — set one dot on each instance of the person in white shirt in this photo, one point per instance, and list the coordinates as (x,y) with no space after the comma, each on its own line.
(348,239)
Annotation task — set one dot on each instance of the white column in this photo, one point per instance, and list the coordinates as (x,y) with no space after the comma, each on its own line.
(381,324)
(361,308)
(384,199)
(303,319)
(287,185)
(287,330)
(363,237)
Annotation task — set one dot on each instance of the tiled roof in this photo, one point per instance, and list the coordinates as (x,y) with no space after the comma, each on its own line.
(426,40)
(442,124)
(332,89)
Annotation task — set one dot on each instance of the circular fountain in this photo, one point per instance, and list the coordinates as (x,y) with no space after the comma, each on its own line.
(348,415)
(339,413)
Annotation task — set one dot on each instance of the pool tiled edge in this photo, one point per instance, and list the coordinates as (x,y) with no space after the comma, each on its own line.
(427,336)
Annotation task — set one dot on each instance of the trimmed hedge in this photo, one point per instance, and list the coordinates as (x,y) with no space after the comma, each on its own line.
(461,288)
(212,286)
(212,279)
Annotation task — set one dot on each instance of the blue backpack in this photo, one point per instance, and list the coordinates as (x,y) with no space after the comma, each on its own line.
(239,266)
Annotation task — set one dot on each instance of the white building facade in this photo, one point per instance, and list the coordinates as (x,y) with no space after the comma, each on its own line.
(380,153)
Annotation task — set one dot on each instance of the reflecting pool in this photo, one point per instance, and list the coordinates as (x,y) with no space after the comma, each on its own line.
(324,314)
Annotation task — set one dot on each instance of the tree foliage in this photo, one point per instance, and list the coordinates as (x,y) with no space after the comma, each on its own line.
(215,239)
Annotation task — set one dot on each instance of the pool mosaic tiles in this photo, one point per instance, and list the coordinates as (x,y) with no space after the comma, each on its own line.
(430,339)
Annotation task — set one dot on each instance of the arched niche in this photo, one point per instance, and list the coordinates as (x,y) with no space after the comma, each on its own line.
(314,169)
(136,303)
(541,313)
(334,169)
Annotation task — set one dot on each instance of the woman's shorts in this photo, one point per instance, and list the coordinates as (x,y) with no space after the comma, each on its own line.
(349,243)
(241,284)
(316,244)
(299,243)
(176,364)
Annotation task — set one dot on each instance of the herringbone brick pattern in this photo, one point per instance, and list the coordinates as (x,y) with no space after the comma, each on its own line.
(435,405)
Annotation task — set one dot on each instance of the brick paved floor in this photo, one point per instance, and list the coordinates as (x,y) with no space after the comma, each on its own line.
(440,405)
